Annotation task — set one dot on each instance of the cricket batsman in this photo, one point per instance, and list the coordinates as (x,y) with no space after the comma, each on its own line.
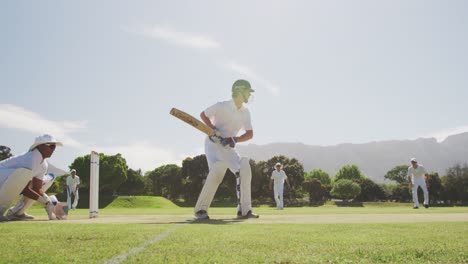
(227,118)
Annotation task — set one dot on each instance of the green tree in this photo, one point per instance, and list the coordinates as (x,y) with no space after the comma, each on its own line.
(112,171)
(389,189)
(166,181)
(456,184)
(349,172)
(5,152)
(134,185)
(316,191)
(260,180)
(398,174)
(194,172)
(345,189)
(370,191)
(402,193)
(293,169)
(435,188)
(318,174)
(261,174)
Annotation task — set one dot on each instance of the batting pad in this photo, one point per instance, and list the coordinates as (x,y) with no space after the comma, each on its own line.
(215,177)
(12,187)
(245,178)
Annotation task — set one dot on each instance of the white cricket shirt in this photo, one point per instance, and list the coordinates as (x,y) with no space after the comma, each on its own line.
(278,177)
(228,119)
(30,160)
(73,182)
(417,173)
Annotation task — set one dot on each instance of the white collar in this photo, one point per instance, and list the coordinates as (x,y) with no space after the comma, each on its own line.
(234,106)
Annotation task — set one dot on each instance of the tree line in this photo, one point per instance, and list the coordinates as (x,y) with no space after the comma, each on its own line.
(183,183)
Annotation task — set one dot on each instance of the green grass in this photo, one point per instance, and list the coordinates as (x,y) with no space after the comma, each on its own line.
(70,243)
(218,243)
(349,243)
(226,241)
(141,202)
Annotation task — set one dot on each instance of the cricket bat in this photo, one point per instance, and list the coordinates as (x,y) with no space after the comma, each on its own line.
(192,121)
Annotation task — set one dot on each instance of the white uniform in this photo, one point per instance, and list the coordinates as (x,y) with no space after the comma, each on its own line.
(25,203)
(278,178)
(228,120)
(31,160)
(72,183)
(418,178)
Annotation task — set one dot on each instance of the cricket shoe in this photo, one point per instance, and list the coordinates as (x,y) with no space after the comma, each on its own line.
(426,205)
(202,215)
(13,216)
(249,215)
(50,207)
(3,218)
(416,207)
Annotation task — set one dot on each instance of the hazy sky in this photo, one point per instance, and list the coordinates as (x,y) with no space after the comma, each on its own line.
(103,75)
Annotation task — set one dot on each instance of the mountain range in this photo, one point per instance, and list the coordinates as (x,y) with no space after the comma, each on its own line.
(374,159)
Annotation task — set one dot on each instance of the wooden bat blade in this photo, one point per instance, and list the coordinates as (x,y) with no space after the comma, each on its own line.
(192,121)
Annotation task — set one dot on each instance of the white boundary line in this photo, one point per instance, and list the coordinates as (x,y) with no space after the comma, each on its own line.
(135,250)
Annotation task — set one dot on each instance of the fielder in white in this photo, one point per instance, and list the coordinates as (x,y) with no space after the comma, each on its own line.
(417,175)
(227,119)
(278,177)
(28,170)
(73,181)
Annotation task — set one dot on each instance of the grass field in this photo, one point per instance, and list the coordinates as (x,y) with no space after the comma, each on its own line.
(164,233)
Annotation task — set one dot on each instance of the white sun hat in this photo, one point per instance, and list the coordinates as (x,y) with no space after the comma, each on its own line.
(413,160)
(44,139)
(278,164)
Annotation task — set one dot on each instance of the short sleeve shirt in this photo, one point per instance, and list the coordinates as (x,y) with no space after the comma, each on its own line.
(417,173)
(278,177)
(73,182)
(228,119)
(30,160)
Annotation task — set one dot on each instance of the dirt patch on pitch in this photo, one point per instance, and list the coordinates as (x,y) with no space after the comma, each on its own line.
(265,219)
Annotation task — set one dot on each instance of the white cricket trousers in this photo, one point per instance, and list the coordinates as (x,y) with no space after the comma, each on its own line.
(278,191)
(72,203)
(418,182)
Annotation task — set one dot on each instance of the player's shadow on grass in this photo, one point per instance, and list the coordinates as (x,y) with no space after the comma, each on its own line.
(217,221)
(204,222)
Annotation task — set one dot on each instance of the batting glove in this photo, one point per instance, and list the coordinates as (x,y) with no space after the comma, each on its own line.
(230,141)
(216,139)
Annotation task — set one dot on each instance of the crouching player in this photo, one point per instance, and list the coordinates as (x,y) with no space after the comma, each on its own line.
(18,212)
(28,170)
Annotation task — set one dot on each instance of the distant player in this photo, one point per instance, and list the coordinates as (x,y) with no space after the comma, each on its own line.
(417,175)
(227,119)
(73,182)
(35,163)
(278,177)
